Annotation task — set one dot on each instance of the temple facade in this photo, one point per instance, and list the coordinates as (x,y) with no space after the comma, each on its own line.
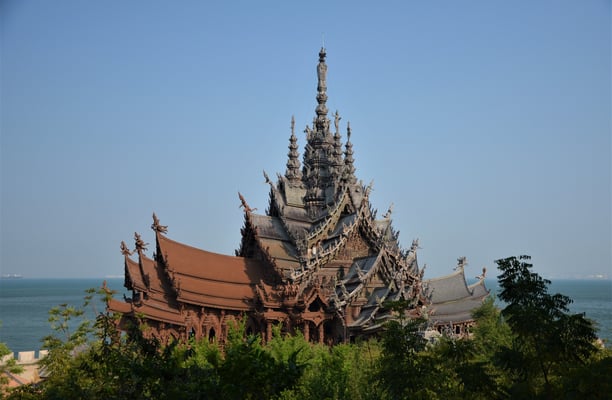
(318,261)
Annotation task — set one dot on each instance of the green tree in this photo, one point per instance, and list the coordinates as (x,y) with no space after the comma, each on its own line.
(547,337)
(405,369)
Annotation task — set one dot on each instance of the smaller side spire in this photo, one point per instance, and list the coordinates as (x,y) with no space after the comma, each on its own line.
(349,168)
(293,172)
(337,160)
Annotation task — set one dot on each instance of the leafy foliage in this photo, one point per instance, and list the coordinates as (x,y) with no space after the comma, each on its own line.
(547,338)
(533,348)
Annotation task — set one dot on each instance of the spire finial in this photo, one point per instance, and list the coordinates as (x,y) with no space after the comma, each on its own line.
(292,125)
(349,167)
(322,123)
(293,173)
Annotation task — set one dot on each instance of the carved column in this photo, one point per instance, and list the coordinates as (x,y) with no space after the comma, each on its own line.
(321,333)
(307,331)
(268,331)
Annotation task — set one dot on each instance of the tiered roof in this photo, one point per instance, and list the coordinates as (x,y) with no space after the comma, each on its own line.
(318,255)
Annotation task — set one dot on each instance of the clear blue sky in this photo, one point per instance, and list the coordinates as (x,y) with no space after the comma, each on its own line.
(486,123)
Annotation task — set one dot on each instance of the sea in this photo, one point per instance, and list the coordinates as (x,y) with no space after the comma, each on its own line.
(25,305)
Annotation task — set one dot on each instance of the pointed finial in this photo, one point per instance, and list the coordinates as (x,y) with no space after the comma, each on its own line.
(139,243)
(244,204)
(125,250)
(267,178)
(156,226)
(348,130)
(321,110)
(292,125)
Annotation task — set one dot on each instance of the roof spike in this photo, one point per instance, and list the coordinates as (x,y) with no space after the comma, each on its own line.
(157,227)
(139,243)
(244,204)
(125,250)
(293,172)
(461,263)
(266,177)
(338,161)
(349,167)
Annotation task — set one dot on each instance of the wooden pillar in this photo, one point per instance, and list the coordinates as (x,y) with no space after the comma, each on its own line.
(307,331)
(321,333)
(268,331)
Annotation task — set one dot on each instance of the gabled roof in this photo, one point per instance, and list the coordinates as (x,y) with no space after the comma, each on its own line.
(452,299)
(448,288)
(134,275)
(210,279)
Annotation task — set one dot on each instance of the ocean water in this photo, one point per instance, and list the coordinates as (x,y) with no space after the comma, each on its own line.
(591,297)
(25,305)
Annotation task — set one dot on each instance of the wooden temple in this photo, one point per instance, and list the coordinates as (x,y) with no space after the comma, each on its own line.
(318,261)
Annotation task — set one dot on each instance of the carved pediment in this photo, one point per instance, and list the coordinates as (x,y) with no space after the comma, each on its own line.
(355,247)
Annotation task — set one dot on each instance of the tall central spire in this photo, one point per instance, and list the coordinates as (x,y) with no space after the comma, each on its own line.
(322,164)
(322,122)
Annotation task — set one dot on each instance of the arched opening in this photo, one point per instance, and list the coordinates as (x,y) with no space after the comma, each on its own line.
(316,305)
(211,335)
(310,331)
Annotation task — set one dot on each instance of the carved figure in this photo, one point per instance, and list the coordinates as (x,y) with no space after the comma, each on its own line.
(244,204)
(337,119)
(139,243)
(389,212)
(461,263)
(322,70)
(124,249)
(267,178)
(156,226)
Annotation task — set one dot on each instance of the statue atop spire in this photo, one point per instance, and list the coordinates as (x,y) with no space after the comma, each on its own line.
(322,123)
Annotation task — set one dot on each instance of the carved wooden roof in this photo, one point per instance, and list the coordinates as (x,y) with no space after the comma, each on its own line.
(318,241)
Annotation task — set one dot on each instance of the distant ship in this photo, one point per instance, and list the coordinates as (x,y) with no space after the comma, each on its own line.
(11,276)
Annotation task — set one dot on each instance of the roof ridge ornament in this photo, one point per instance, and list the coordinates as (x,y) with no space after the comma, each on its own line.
(139,243)
(484,273)
(461,263)
(389,212)
(125,250)
(245,205)
(157,227)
